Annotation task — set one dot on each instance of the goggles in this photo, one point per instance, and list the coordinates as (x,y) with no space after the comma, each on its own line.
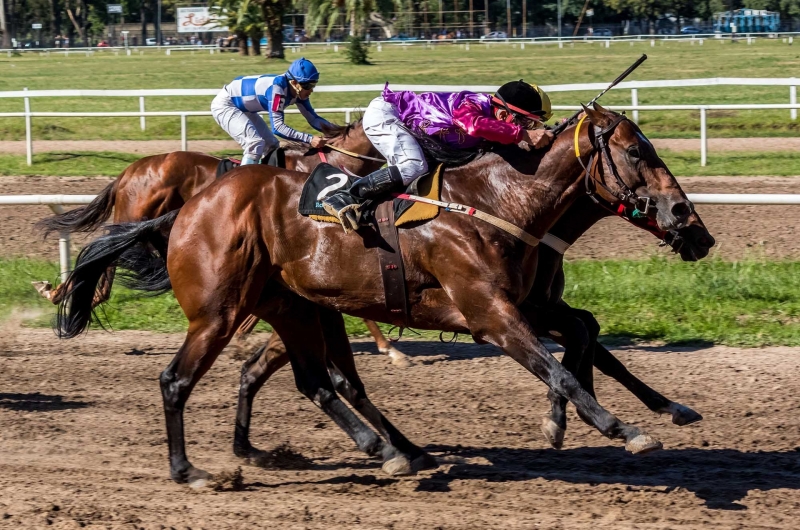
(525,119)
(310,85)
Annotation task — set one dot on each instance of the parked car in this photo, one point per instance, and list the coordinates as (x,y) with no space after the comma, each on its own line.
(602,32)
(690,30)
(103,44)
(495,35)
(403,36)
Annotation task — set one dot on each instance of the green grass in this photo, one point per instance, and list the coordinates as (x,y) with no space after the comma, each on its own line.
(681,163)
(445,64)
(748,303)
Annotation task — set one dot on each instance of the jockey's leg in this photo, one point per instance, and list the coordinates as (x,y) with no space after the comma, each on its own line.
(241,126)
(406,163)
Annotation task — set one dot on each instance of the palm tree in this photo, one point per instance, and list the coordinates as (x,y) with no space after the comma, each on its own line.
(243,18)
(325,13)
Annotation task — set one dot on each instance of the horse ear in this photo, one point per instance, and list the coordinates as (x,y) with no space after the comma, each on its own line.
(600,108)
(597,117)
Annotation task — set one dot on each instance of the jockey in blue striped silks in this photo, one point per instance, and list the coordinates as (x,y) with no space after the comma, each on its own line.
(237,105)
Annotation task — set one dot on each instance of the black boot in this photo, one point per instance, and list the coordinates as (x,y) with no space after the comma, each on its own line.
(344,205)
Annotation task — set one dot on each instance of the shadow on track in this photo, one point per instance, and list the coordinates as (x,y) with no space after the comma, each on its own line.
(37,402)
(720,477)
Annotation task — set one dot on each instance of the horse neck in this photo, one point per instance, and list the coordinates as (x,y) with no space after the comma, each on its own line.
(579,217)
(527,189)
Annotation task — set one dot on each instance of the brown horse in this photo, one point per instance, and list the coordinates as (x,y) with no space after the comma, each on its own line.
(462,275)
(156,185)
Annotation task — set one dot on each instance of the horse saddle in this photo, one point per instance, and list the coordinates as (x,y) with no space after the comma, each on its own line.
(327,179)
(275,157)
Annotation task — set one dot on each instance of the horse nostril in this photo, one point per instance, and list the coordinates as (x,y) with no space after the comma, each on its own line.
(681,209)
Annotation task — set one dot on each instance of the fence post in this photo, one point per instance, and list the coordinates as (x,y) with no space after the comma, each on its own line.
(635,103)
(141,109)
(347,117)
(63,246)
(184,143)
(793,100)
(703,138)
(28,132)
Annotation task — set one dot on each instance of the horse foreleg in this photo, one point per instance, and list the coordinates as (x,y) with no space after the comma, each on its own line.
(571,333)
(496,319)
(385,347)
(612,367)
(347,382)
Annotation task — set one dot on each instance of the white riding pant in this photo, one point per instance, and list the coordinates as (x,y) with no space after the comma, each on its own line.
(384,129)
(247,128)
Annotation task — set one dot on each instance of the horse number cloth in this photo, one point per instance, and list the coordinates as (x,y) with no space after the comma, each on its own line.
(327,179)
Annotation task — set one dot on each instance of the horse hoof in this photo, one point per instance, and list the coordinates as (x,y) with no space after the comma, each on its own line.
(642,444)
(681,415)
(398,358)
(423,462)
(44,288)
(397,466)
(553,433)
(199,484)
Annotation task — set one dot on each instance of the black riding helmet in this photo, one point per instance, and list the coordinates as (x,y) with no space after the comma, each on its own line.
(524,100)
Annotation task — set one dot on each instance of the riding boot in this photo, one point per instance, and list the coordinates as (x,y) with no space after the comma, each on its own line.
(345,205)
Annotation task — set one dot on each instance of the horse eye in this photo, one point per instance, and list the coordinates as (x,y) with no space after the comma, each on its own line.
(633,152)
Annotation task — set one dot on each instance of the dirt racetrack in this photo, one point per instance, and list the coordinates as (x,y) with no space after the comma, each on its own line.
(741,231)
(82,443)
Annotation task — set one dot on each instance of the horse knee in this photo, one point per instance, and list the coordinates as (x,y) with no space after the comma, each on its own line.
(173,389)
(589,322)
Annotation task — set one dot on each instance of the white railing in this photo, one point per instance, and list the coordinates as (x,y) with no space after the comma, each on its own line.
(633,86)
(57,202)
(700,38)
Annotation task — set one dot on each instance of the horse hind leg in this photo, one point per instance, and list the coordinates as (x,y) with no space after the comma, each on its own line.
(409,457)
(255,372)
(297,323)
(398,358)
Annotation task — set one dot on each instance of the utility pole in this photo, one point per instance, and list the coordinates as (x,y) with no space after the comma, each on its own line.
(158,24)
(559,19)
(3,26)
(441,19)
(470,20)
(524,18)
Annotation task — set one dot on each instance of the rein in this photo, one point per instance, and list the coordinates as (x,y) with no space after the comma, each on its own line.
(349,153)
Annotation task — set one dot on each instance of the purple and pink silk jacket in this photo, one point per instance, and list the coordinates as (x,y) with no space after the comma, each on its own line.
(458,119)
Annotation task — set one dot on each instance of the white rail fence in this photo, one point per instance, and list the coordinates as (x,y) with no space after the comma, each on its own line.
(751,38)
(57,203)
(633,86)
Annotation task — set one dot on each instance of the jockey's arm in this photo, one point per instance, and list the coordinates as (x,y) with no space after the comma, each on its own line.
(472,121)
(315,120)
(278,97)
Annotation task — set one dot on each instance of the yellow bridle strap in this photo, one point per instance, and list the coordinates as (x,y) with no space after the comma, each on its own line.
(577,136)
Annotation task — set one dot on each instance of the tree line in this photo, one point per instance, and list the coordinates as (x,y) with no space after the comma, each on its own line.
(83,22)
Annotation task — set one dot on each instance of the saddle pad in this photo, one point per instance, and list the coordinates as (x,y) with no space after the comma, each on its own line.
(326,179)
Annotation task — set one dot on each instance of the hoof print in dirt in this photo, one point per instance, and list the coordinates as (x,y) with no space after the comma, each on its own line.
(282,457)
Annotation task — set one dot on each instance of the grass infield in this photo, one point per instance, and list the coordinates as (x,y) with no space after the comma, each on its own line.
(747,303)
(446,64)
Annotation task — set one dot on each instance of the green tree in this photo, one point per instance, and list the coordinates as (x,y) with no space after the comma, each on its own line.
(272,12)
(244,19)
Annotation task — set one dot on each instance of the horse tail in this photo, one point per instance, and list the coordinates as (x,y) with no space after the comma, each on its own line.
(84,219)
(127,244)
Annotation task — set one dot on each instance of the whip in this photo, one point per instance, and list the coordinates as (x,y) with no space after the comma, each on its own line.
(560,127)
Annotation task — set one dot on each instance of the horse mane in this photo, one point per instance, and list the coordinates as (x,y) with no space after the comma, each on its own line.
(334,131)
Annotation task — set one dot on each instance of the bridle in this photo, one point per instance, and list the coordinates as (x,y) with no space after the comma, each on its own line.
(601,154)
(627,198)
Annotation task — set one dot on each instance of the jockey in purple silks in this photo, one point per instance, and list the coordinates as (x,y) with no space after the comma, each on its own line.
(516,113)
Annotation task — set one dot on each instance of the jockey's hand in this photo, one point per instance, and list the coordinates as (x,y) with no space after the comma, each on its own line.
(538,138)
(318,141)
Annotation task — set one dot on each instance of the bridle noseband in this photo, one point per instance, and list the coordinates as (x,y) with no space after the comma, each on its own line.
(603,152)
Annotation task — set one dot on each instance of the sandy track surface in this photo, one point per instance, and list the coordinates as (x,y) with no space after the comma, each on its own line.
(82,443)
(740,230)
(152,147)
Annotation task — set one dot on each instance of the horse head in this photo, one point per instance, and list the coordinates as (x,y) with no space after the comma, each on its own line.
(626,172)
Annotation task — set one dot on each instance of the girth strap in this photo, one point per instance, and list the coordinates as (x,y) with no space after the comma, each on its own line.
(391,262)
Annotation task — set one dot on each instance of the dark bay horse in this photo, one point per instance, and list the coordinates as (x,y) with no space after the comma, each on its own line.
(462,275)
(158,184)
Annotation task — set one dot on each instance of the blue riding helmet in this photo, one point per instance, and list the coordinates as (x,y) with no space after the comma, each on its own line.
(303,71)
